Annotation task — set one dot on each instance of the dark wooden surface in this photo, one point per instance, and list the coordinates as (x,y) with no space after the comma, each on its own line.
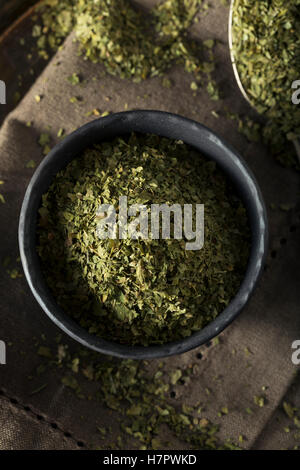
(10,10)
(20,63)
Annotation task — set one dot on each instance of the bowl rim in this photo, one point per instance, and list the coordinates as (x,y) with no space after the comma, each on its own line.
(168,125)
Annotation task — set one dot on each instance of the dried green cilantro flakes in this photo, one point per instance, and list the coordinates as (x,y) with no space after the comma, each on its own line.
(145,291)
(266,48)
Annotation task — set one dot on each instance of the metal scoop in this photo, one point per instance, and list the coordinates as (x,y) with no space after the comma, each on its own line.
(296,142)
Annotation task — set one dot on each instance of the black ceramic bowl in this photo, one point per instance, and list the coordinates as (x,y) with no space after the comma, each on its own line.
(173,127)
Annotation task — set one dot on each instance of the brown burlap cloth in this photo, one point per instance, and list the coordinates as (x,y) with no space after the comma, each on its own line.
(253,357)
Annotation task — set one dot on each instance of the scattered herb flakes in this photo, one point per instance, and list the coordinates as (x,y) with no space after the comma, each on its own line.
(297,421)
(46,149)
(102,431)
(61,353)
(289,409)
(39,389)
(247,352)
(203,423)
(71,382)
(44,351)
(31,164)
(175,376)
(167,83)
(130,43)
(136,53)
(213,91)
(148,301)
(88,372)
(224,410)
(60,132)
(73,99)
(75,364)
(259,401)
(250,129)
(44,139)
(36,31)
(141,400)
(95,112)
(74,79)
(16,97)
(209,43)
(14,273)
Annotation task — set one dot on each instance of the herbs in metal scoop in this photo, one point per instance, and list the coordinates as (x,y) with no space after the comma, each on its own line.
(143,291)
(266,48)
